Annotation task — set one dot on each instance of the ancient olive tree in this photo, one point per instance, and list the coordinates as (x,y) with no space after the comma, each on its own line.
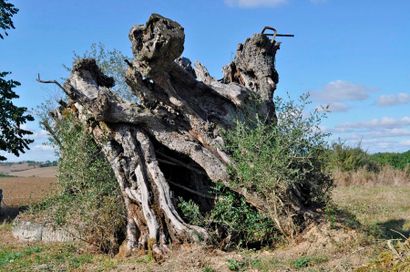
(170,144)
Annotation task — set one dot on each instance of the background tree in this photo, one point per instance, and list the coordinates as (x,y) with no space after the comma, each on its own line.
(11,117)
(7,10)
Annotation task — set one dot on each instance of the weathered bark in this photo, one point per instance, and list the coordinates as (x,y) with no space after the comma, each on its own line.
(171,140)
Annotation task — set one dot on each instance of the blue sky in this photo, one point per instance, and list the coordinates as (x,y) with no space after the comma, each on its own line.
(352,55)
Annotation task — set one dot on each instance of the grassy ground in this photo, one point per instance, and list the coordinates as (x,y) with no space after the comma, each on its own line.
(382,211)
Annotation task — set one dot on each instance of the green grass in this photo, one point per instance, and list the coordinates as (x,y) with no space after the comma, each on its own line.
(52,257)
(308,261)
(48,257)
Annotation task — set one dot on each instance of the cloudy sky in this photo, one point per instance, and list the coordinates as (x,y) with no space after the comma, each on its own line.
(351,55)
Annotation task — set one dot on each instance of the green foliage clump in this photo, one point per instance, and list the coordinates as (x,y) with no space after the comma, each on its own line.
(345,158)
(397,160)
(7,11)
(235,265)
(88,195)
(191,212)
(306,261)
(283,163)
(112,63)
(243,225)
(231,220)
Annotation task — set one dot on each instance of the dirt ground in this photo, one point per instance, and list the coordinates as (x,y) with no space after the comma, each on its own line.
(19,192)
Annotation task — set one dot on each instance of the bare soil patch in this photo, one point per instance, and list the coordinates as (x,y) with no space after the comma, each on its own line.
(19,192)
(22,191)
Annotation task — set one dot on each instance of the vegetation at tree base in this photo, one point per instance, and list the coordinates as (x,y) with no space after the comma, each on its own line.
(232,222)
(270,160)
(88,190)
(12,137)
(273,161)
(88,195)
(283,163)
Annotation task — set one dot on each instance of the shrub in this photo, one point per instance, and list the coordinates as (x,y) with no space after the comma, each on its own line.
(190,211)
(111,62)
(283,163)
(345,158)
(397,160)
(232,222)
(88,194)
(238,222)
(235,265)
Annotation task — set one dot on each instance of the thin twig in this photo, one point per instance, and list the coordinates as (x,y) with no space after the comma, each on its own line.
(399,233)
(391,247)
(50,82)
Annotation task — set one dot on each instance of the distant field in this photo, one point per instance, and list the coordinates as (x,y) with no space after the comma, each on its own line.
(27,170)
(22,191)
(42,172)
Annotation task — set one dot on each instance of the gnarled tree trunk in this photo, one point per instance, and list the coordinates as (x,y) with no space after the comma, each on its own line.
(169,144)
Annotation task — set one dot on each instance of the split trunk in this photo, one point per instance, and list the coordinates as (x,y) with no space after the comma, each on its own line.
(169,144)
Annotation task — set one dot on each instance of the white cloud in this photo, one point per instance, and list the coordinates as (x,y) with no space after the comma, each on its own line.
(39,150)
(40,134)
(377,144)
(42,147)
(396,99)
(385,122)
(405,143)
(340,90)
(338,107)
(376,135)
(371,132)
(255,3)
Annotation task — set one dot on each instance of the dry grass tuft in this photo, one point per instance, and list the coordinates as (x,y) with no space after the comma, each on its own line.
(386,176)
